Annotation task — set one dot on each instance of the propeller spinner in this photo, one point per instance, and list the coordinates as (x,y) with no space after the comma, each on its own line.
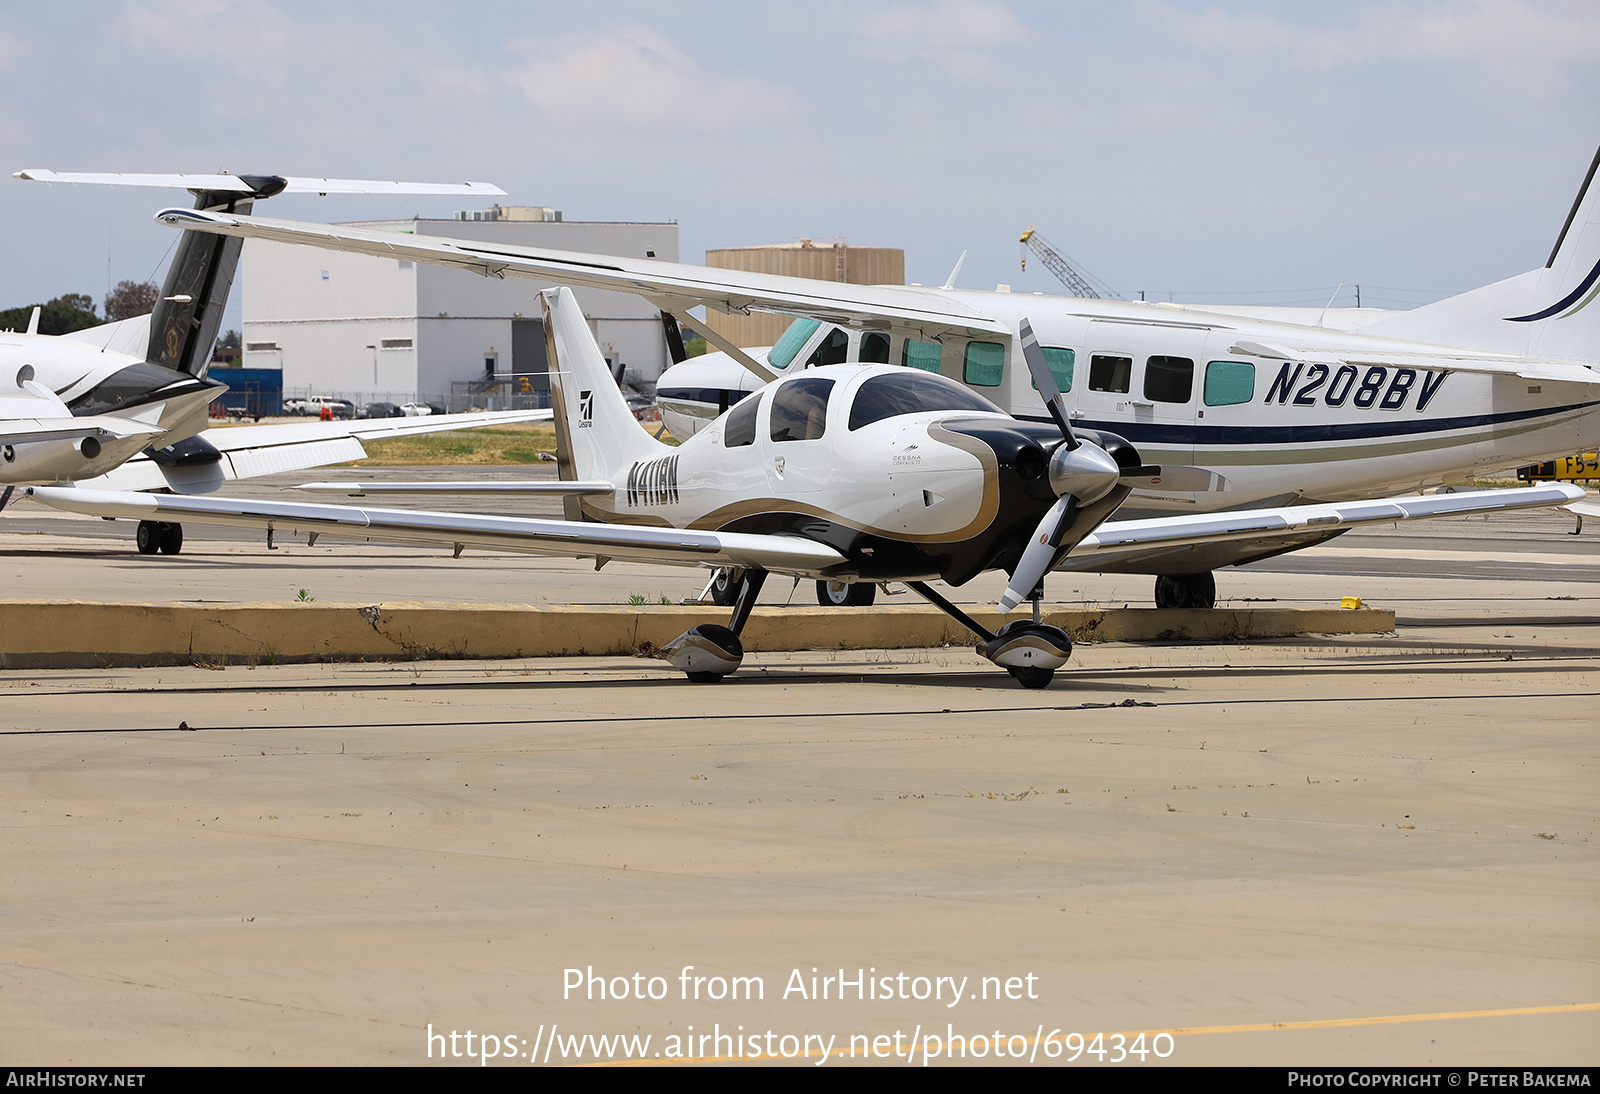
(1081,473)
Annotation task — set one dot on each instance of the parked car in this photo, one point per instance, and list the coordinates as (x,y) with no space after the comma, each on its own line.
(415,410)
(313,405)
(384,410)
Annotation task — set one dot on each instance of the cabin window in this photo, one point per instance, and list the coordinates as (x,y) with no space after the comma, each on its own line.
(1229,383)
(1060,362)
(897,393)
(789,343)
(800,409)
(1168,379)
(985,364)
(923,355)
(834,350)
(874,348)
(741,428)
(1110,373)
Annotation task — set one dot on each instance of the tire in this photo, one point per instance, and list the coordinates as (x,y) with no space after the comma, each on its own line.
(838,594)
(725,587)
(1186,591)
(704,677)
(171,538)
(1033,678)
(147,537)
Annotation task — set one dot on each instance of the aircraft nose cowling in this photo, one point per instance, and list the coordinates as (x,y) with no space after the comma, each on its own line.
(1087,472)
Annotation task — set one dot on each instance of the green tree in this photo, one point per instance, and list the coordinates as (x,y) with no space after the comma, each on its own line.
(63,315)
(130,298)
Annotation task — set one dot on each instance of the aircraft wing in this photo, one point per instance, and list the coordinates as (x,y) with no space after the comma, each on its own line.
(562,538)
(671,285)
(249,451)
(1122,544)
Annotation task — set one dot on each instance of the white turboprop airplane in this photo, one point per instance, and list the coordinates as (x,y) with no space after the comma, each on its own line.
(1242,407)
(855,474)
(123,405)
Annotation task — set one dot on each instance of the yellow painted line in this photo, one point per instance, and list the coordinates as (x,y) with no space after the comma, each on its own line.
(1189,1031)
(1381,1020)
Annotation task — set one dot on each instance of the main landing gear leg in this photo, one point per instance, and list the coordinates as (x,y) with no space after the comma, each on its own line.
(708,652)
(1029,650)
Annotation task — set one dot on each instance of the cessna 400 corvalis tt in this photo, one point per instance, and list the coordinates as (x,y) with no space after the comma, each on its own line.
(844,474)
(1241,407)
(123,405)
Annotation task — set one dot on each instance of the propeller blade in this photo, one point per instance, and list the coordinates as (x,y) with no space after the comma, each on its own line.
(1041,551)
(1045,381)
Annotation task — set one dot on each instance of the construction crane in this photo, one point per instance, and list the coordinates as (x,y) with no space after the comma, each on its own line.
(1078,282)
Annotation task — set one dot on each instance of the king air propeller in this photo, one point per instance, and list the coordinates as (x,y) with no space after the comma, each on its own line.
(1081,473)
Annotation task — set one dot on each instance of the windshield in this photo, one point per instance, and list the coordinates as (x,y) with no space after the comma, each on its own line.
(789,343)
(894,394)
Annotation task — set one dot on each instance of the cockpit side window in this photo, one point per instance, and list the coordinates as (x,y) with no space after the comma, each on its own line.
(800,409)
(740,429)
(911,392)
(834,350)
(789,343)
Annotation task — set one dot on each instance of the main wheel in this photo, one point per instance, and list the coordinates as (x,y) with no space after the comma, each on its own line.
(1033,678)
(171,538)
(147,537)
(840,594)
(1186,590)
(725,586)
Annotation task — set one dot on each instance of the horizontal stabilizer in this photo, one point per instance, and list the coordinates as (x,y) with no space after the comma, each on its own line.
(249,451)
(235,184)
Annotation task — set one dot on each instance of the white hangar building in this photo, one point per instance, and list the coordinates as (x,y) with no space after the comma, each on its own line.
(379,329)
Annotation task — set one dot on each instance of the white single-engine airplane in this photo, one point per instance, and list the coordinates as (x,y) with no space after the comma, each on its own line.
(854,474)
(1241,407)
(123,405)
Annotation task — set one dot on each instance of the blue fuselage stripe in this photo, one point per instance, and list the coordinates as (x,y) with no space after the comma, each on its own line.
(1311,433)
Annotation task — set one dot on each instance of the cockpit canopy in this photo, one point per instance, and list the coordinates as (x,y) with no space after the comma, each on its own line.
(910,392)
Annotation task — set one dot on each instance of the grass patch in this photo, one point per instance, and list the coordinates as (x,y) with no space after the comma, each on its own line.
(511,444)
(522,443)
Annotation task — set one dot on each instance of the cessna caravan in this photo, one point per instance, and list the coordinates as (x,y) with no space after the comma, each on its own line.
(856,475)
(1240,407)
(123,405)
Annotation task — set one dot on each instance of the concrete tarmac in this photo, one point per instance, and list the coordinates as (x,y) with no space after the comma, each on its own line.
(1374,850)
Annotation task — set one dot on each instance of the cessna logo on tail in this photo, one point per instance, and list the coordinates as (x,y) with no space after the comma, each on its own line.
(585,409)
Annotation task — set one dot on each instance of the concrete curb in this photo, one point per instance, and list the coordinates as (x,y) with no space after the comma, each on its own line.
(85,634)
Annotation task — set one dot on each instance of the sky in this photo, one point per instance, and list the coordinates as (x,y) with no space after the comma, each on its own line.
(1244,152)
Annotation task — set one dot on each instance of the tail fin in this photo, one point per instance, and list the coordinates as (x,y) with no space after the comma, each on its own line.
(188,314)
(1544,312)
(597,436)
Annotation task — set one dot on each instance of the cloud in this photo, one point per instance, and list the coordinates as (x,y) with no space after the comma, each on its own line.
(960,38)
(634,79)
(1497,33)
